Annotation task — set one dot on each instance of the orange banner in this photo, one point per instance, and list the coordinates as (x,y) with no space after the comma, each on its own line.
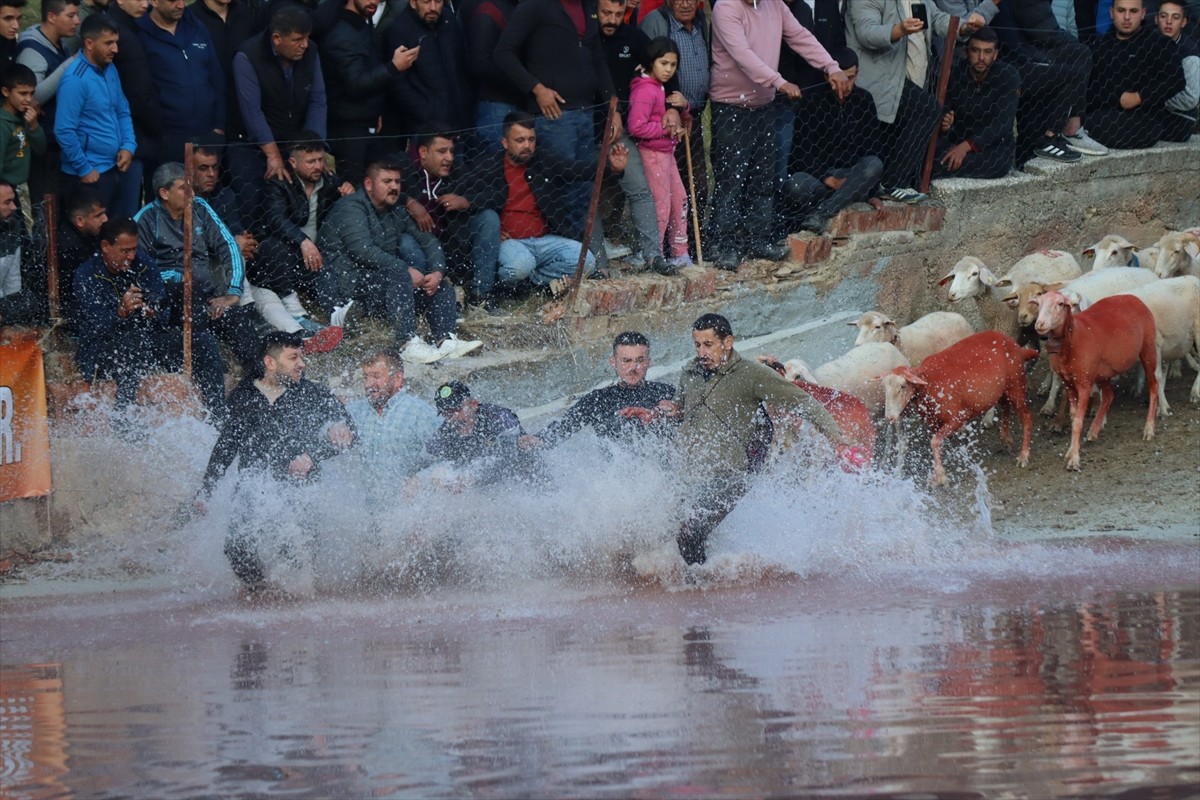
(24,432)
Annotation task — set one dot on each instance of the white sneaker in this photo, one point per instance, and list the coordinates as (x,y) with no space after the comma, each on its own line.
(454,347)
(338,317)
(1080,142)
(614,250)
(420,352)
(293,305)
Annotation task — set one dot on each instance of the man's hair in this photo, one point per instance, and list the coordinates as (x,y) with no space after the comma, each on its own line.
(715,323)
(207,149)
(56,7)
(307,141)
(165,176)
(388,355)
(1179,3)
(17,75)
(522,118)
(630,338)
(427,139)
(984,35)
(657,49)
(276,342)
(4,183)
(845,56)
(83,201)
(384,163)
(13,3)
(97,25)
(290,19)
(113,229)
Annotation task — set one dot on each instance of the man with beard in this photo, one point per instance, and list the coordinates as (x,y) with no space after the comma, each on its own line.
(438,87)
(981,107)
(280,426)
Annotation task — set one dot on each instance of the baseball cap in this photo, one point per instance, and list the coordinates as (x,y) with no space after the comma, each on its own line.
(450,396)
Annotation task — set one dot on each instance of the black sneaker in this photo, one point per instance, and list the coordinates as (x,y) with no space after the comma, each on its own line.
(663,267)
(728,261)
(813,223)
(1057,149)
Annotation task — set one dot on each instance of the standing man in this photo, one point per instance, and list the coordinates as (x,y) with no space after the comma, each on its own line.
(10,26)
(498,95)
(137,84)
(18,305)
(44,49)
(1181,124)
(601,409)
(747,38)
(187,76)
(93,125)
(439,86)
(981,109)
(1135,71)
(720,394)
(280,426)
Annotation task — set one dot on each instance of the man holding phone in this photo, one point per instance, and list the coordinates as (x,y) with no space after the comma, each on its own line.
(437,88)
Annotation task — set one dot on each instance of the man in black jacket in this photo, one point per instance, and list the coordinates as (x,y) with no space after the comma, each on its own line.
(1135,70)
(981,106)
(438,87)
(498,95)
(78,240)
(138,85)
(356,83)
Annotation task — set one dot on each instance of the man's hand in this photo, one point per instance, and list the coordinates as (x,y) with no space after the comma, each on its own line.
(420,215)
(833,183)
(199,507)
(403,57)
(131,301)
(454,202)
(430,283)
(301,465)
(677,100)
(974,22)
(31,117)
(247,244)
(907,27)
(947,121)
(1130,100)
(953,158)
(618,157)
(124,159)
(548,101)
(312,256)
(276,168)
(840,83)
(618,127)
(346,188)
(791,90)
(642,415)
(219,305)
(673,123)
(340,435)
(528,442)
(91,177)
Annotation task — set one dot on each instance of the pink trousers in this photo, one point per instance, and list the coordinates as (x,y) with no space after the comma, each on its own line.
(670,199)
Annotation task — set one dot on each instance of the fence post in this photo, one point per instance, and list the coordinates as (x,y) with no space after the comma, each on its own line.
(50,213)
(943,81)
(187,261)
(605,144)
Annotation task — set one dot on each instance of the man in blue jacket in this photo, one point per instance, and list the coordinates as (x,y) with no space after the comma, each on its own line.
(93,125)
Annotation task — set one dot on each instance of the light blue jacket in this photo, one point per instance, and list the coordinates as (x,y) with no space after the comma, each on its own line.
(92,122)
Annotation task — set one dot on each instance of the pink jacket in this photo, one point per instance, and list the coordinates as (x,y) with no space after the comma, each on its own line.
(647,105)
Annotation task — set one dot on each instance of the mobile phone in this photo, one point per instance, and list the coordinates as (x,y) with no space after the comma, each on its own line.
(919,12)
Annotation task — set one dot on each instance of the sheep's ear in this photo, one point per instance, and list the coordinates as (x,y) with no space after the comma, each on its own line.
(890,324)
(1053,287)
(913,377)
(1011,297)
(986,277)
(946,279)
(1133,248)
(1003,283)
(1090,252)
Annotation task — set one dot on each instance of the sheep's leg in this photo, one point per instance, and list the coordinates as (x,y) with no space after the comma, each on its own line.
(938,478)
(1016,400)
(1153,367)
(989,419)
(1055,388)
(1078,396)
(1005,424)
(1060,419)
(1106,400)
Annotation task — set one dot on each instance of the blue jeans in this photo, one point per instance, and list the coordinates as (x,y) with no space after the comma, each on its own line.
(484,229)
(641,203)
(571,136)
(541,259)
(489,120)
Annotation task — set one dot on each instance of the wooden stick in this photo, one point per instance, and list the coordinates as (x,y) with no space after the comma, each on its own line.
(943,81)
(605,144)
(687,151)
(50,212)
(188,162)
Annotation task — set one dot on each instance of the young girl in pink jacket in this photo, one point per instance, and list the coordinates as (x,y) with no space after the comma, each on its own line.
(648,101)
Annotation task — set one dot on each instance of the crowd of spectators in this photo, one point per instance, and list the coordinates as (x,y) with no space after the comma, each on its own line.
(464,135)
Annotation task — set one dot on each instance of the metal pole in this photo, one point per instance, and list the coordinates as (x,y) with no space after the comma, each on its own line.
(605,144)
(50,212)
(943,81)
(187,261)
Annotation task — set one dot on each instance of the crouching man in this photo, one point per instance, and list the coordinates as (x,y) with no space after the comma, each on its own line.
(281,426)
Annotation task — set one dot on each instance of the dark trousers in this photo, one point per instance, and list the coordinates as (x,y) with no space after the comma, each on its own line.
(21,308)
(247,167)
(906,139)
(712,505)
(1053,88)
(743,153)
(351,145)
(1177,128)
(237,328)
(992,163)
(134,352)
(113,188)
(810,195)
(1126,130)
(279,267)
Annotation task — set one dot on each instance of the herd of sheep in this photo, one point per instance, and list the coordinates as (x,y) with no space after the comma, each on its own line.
(1133,307)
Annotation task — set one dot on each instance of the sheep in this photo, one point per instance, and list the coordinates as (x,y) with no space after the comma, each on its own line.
(1094,346)
(855,373)
(1175,304)
(1178,254)
(917,340)
(972,278)
(1112,251)
(961,383)
(1087,288)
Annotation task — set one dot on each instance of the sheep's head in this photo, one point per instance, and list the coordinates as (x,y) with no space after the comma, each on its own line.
(899,387)
(1111,251)
(1177,254)
(875,327)
(969,278)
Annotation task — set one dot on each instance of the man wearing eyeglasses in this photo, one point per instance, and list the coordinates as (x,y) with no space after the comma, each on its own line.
(601,408)
(1180,124)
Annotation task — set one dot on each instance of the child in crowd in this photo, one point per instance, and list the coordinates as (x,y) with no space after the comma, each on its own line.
(648,101)
(20,134)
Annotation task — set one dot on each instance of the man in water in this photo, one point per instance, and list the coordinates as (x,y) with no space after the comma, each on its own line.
(280,426)
(484,439)
(721,396)
(601,408)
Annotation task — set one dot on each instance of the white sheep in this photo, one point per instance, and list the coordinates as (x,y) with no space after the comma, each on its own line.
(972,278)
(918,340)
(1178,254)
(856,372)
(1117,251)
(1175,304)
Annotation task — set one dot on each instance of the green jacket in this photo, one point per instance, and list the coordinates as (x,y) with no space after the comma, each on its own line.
(17,143)
(718,412)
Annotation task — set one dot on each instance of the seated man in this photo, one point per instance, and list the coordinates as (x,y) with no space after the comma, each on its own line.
(1181,124)
(287,315)
(18,305)
(835,159)
(601,408)
(1135,70)
(377,256)
(540,234)
(484,439)
(217,264)
(293,208)
(439,199)
(393,424)
(78,240)
(124,323)
(281,426)
(981,108)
